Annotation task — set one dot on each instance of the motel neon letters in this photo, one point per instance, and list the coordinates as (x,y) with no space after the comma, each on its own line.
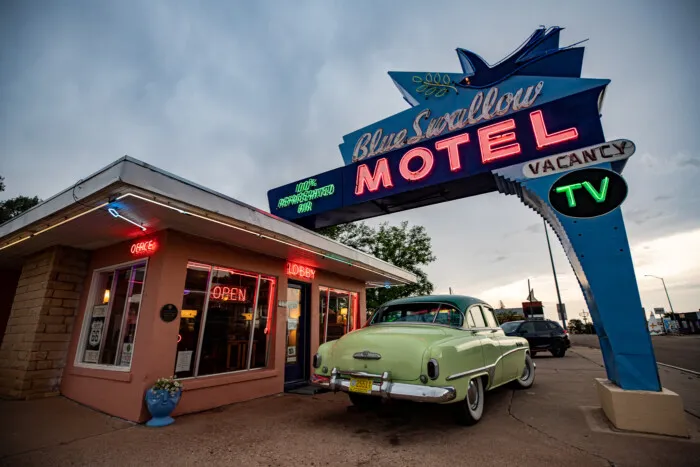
(496,141)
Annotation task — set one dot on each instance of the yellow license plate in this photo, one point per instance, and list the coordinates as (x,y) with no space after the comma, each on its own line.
(361,385)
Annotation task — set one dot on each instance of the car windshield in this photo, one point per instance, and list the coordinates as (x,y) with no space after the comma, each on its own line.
(510,326)
(429,313)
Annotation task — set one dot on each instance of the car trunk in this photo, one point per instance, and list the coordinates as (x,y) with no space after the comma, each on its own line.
(401,348)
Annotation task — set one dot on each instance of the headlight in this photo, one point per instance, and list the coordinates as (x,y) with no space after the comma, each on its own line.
(316,361)
(433,369)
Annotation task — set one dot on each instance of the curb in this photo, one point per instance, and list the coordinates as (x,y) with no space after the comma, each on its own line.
(679,368)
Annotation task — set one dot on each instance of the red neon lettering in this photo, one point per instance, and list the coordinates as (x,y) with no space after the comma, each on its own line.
(298,270)
(425,169)
(545,139)
(452,146)
(234,294)
(145,247)
(366,179)
(489,139)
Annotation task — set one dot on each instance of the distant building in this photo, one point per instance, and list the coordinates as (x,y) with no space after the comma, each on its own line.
(509,311)
(532,308)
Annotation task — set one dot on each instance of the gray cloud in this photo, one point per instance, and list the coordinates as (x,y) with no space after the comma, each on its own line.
(245,96)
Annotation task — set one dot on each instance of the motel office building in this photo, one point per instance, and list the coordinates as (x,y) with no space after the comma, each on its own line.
(136,274)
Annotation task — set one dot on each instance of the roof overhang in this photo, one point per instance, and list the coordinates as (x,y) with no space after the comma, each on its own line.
(79,217)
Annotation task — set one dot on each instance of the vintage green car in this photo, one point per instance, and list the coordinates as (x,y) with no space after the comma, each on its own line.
(446,349)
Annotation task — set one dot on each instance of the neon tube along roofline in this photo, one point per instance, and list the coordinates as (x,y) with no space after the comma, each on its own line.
(54,226)
(113,211)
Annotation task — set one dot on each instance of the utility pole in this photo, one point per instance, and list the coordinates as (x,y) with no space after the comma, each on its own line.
(666,290)
(554,272)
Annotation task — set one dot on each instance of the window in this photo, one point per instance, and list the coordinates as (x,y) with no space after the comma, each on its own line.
(430,313)
(448,316)
(528,327)
(109,328)
(541,326)
(510,326)
(338,309)
(225,321)
(554,326)
(476,317)
(490,320)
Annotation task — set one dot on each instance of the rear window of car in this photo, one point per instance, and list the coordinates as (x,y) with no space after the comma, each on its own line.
(430,313)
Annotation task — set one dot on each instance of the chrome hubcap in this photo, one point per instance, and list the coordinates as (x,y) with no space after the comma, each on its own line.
(526,372)
(473,395)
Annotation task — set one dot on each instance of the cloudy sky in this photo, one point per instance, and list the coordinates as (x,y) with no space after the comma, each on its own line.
(245,96)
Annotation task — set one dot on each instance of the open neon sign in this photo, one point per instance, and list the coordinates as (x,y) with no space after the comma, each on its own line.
(303,272)
(228,294)
(496,141)
(144,248)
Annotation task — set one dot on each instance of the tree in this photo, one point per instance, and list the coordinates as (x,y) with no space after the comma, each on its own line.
(576,326)
(406,247)
(14,206)
(505,316)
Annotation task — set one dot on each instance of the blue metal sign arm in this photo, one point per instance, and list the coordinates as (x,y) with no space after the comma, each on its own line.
(598,251)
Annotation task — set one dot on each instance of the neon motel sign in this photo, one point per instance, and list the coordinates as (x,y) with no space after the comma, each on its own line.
(496,141)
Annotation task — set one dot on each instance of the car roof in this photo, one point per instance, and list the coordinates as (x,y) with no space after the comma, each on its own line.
(460,301)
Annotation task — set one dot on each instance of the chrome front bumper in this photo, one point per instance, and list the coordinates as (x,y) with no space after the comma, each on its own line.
(382,386)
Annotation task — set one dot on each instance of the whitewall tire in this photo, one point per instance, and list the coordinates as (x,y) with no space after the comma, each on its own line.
(527,377)
(471,409)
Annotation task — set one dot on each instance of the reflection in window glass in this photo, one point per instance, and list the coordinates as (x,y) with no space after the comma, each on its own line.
(337,308)
(110,329)
(193,303)
(490,320)
(225,322)
(419,312)
(476,317)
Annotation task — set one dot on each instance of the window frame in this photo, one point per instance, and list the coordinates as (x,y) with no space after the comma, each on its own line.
(80,351)
(271,315)
(484,310)
(353,298)
(483,318)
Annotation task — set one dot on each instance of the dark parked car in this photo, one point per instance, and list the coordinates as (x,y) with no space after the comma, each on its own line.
(542,335)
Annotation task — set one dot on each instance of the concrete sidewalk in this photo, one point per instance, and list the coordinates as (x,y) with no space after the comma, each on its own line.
(554,423)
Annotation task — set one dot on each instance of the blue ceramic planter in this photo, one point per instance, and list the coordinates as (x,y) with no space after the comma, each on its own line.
(161,404)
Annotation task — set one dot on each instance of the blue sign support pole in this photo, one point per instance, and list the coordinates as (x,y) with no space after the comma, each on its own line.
(599,253)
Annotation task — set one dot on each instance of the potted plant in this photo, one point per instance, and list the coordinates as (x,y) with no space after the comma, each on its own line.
(161,400)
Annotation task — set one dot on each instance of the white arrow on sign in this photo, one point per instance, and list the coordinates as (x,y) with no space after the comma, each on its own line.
(610,151)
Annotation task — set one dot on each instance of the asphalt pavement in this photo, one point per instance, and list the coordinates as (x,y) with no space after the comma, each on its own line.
(556,422)
(680,351)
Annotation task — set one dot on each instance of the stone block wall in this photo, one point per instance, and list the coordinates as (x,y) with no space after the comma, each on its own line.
(38,333)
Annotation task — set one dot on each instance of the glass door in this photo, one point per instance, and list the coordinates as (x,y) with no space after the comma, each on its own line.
(297,341)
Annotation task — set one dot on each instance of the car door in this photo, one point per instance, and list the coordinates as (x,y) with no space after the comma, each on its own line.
(545,336)
(527,330)
(511,362)
(490,345)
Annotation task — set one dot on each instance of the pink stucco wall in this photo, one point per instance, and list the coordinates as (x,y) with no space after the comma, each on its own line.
(121,393)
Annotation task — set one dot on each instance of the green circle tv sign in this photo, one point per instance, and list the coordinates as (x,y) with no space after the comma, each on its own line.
(588,193)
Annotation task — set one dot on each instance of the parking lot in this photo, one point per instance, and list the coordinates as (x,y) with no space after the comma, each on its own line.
(554,423)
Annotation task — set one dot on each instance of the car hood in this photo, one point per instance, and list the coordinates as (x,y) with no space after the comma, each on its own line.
(401,347)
